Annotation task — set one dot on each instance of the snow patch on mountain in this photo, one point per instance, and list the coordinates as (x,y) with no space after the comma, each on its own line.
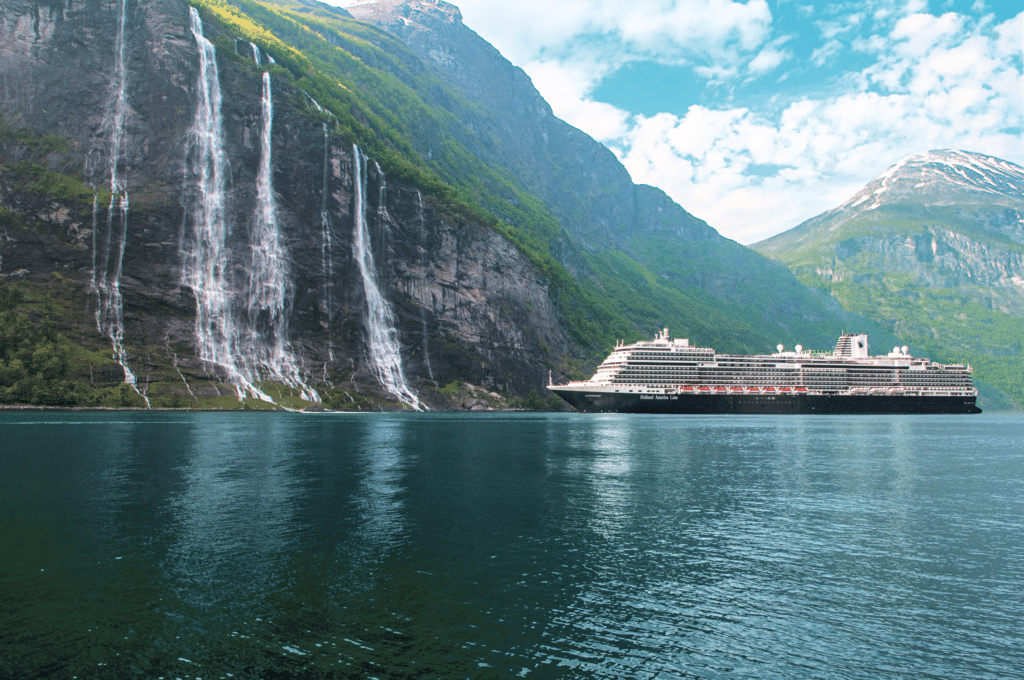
(945,171)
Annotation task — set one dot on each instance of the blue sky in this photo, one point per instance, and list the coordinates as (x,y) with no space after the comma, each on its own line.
(758,115)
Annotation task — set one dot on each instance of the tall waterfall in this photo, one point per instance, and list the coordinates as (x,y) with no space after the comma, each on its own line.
(108,265)
(205,256)
(241,332)
(268,300)
(326,256)
(384,349)
(423,263)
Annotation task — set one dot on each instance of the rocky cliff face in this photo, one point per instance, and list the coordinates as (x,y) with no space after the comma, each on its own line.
(121,83)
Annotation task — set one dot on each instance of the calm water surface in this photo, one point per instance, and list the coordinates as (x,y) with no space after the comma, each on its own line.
(203,545)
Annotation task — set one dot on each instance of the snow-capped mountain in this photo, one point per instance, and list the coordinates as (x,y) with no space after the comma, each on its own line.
(942,177)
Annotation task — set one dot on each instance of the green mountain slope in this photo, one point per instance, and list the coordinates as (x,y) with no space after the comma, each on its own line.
(933,250)
(563,194)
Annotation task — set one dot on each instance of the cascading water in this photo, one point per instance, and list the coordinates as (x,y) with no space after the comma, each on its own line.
(205,257)
(255,53)
(107,268)
(423,263)
(326,256)
(244,338)
(385,354)
(268,294)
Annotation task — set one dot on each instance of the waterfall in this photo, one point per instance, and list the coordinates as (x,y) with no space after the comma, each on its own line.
(255,53)
(384,349)
(267,303)
(326,256)
(205,257)
(423,263)
(240,329)
(107,269)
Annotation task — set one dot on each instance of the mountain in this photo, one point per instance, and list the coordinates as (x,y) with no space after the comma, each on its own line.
(932,249)
(591,194)
(255,202)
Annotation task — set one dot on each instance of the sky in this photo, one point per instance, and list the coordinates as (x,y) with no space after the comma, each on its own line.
(758,115)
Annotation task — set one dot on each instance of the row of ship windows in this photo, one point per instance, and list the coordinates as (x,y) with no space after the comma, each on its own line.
(869,376)
(807,376)
(751,380)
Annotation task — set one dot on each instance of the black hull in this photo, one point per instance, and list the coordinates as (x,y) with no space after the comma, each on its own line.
(749,403)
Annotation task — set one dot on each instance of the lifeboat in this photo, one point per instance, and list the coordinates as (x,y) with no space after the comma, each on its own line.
(686,388)
(704,389)
(736,389)
(785,389)
(768,389)
(753,390)
(801,390)
(721,389)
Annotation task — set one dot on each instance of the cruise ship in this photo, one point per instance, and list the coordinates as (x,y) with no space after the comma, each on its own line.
(672,376)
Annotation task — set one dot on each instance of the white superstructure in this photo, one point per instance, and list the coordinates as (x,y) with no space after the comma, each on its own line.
(666,366)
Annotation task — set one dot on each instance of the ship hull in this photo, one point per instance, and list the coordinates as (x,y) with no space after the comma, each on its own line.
(597,402)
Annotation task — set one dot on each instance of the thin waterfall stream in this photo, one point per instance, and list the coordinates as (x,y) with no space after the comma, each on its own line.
(384,349)
(205,258)
(326,254)
(108,267)
(268,300)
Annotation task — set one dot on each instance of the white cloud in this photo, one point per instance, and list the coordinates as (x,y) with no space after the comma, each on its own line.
(822,54)
(711,31)
(767,60)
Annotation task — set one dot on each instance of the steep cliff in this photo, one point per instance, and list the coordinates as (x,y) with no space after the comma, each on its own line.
(130,251)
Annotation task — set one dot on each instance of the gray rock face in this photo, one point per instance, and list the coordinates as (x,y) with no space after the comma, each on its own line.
(467,304)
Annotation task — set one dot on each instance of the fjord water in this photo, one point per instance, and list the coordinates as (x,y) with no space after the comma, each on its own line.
(205,545)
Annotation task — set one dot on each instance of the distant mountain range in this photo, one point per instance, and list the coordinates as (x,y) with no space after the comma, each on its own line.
(933,250)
